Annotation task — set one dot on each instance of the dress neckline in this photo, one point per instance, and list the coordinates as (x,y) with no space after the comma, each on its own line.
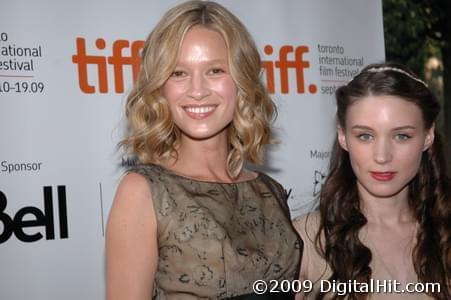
(173,174)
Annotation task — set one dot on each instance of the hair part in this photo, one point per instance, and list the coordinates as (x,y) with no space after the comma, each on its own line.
(152,135)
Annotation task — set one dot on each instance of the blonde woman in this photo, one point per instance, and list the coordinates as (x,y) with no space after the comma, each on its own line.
(189,221)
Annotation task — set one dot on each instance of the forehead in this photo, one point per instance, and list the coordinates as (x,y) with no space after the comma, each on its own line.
(383,110)
(201,42)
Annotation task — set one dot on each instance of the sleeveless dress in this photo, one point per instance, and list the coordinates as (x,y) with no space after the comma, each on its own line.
(317,269)
(216,239)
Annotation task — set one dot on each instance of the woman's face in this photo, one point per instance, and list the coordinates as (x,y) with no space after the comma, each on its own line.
(201,93)
(385,138)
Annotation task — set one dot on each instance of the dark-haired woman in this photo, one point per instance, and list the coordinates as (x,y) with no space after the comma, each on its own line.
(383,227)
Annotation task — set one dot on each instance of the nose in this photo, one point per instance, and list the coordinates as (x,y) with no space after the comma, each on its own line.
(382,153)
(199,87)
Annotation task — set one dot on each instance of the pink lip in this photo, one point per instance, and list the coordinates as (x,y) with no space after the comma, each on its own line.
(383,176)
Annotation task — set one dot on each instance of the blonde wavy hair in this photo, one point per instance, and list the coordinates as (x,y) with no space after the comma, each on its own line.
(152,135)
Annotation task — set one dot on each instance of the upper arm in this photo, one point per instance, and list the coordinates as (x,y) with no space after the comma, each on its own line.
(299,225)
(131,241)
(313,266)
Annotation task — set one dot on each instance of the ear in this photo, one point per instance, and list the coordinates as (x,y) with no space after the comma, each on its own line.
(342,138)
(429,140)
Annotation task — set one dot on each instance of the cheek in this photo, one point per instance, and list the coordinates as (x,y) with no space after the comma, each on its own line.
(226,88)
(358,163)
(359,155)
(172,91)
(410,158)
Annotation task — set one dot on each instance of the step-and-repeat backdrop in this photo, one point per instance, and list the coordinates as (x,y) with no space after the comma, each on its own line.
(65,69)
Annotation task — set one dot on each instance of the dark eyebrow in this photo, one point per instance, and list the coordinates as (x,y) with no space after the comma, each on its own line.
(362,127)
(405,127)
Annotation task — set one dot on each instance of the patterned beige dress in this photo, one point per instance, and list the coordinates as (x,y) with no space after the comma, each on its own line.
(216,239)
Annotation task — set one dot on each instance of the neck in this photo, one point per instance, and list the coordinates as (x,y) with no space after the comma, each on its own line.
(202,159)
(391,210)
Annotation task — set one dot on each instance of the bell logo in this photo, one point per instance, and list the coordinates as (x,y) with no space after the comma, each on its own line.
(298,63)
(41,218)
(117,60)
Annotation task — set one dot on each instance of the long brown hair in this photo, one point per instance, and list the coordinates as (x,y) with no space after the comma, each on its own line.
(429,192)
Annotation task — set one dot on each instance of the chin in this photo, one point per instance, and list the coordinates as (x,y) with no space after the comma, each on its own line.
(200,135)
(384,194)
(203,133)
(385,191)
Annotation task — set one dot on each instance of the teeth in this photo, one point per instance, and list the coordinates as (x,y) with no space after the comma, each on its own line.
(199,109)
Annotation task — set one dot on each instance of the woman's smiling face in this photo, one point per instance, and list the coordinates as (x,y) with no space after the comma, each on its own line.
(200,92)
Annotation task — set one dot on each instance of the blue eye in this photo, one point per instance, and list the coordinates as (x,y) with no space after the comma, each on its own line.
(365,137)
(402,137)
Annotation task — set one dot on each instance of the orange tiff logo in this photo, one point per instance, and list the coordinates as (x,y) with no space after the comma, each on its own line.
(98,64)
(118,60)
(297,63)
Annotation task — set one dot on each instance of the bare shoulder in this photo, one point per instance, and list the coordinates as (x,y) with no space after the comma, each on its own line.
(131,240)
(133,186)
(132,204)
(312,217)
(307,225)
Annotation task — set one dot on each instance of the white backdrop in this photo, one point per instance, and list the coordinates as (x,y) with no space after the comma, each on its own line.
(61,110)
